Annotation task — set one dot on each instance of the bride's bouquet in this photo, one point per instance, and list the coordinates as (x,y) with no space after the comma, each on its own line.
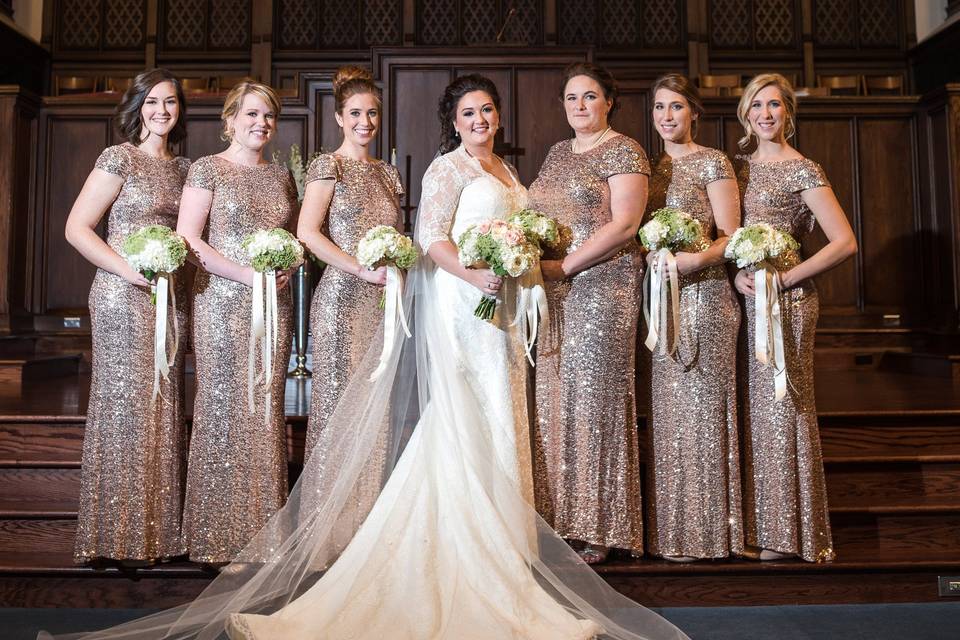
(501,246)
(753,248)
(669,230)
(156,252)
(758,243)
(385,246)
(269,251)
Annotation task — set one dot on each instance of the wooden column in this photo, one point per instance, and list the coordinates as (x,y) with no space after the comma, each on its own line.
(18,114)
(153,18)
(809,73)
(261,51)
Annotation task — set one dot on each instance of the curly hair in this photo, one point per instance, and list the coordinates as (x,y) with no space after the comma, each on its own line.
(128,119)
(447,110)
(750,92)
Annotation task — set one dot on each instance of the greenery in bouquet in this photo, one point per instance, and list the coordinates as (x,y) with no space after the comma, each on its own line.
(385,245)
(756,243)
(155,249)
(273,250)
(671,229)
(501,246)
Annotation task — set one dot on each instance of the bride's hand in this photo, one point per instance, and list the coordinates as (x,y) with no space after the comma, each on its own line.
(484,279)
(376,276)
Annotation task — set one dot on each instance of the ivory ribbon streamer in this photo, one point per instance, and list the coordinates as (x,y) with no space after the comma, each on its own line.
(264,327)
(531,310)
(655,305)
(768,342)
(393,316)
(162,359)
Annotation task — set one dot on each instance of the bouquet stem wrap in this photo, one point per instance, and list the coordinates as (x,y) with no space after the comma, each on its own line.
(263,330)
(768,343)
(393,317)
(662,275)
(531,310)
(162,358)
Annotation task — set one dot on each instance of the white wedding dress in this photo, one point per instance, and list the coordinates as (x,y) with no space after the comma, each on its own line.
(452,548)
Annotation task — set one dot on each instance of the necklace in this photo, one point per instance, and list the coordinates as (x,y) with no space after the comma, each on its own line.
(577,149)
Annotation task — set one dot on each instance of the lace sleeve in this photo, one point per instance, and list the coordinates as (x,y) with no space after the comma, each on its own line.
(439,197)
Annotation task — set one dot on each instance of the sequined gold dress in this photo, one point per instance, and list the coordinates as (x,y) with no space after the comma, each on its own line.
(237,470)
(693,494)
(785,498)
(346,313)
(133,448)
(587,473)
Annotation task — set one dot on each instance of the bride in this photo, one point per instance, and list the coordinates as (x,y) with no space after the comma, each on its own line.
(452,549)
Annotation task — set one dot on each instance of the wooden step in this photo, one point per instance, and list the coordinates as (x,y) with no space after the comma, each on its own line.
(15,370)
(943,365)
(39,492)
(853,485)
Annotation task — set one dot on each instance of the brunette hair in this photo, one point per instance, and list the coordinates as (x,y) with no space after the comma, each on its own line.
(128,119)
(611,91)
(681,84)
(447,110)
(750,92)
(234,99)
(350,81)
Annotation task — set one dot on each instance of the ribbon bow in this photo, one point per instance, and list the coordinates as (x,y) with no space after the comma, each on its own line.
(162,359)
(768,343)
(655,305)
(264,328)
(392,318)
(532,309)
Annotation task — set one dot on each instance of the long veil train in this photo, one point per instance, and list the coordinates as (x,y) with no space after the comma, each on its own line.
(423,386)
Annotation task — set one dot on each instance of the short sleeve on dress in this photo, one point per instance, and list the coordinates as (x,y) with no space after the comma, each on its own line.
(807,175)
(323,167)
(115,160)
(717,167)
(183,167)
(439,198)
(624,155)
(203,174)
(393,175)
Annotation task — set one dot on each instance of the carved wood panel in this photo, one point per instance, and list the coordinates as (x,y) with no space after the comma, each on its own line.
(100,25)
(651,24)
(858,24)
(205,25)
(754,24)
(337,24)
(479,22)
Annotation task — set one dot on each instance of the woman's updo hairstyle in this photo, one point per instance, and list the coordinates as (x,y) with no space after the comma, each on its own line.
(447,111)
(128,118)
(755,86)
(351,81)
(681,84)
(611,91)
(234,100)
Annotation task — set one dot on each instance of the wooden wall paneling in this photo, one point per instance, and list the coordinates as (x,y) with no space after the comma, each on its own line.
(633,116)
(887,212)
(70,142)
(540,118)
(831,141)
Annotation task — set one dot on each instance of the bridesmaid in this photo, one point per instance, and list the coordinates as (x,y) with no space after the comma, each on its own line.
(585,444)
(785,506)
(133,448)
(237,470)
(347,193)
(694,491)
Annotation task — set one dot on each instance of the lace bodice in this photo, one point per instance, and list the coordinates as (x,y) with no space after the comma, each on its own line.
(457,192)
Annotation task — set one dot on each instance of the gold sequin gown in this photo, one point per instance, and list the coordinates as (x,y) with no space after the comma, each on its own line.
(586,458)
(693,463)
(346,314)
(785,498)
(237,470)
(131,485)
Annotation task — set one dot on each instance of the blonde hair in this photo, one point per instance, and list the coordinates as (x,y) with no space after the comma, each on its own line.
(350,81)
(234,99)
(681,84)
(750,92)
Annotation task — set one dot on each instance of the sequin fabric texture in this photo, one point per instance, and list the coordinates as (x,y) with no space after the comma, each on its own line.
(345,314)
(586,457)
(133,449)
(785,498)
(693,492)
(237,472)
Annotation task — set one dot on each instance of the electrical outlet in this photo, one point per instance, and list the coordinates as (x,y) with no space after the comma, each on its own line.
(949,586)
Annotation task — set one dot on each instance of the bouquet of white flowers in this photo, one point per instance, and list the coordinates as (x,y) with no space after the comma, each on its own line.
(758,243)
(551,236)
(501,246)
(671,229)
(753,248)
(273,250)
(157,251)
(385,246)
(269,251)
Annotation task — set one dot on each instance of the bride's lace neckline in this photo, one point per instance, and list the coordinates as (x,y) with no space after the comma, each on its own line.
(514,183)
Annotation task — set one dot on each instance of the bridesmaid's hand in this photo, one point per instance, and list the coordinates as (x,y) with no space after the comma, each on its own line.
(484,279)
(744,283)
(376,276)
(552,270)
(136,278)
(688,262)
